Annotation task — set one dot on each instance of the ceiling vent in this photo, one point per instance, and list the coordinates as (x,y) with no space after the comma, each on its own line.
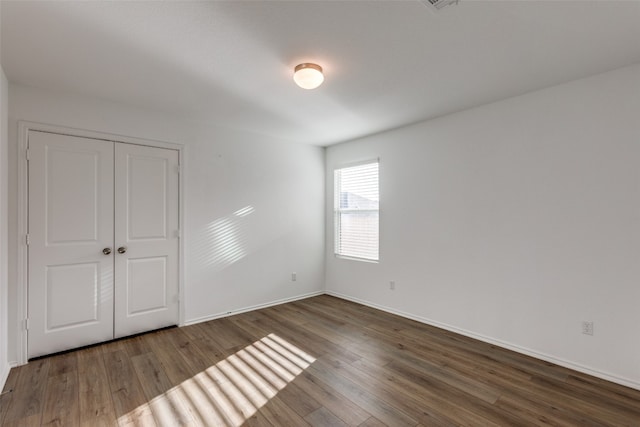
(436,5)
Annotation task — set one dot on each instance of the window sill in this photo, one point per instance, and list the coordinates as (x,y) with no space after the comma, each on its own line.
(351,258)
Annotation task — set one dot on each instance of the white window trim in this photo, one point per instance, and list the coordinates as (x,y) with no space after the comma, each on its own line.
(336,220)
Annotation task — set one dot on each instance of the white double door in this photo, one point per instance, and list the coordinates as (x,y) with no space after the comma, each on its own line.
(103,240)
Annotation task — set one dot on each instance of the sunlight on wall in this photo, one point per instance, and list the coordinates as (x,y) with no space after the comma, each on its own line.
(244,211)
(229,392)
(106,283)
(224,241)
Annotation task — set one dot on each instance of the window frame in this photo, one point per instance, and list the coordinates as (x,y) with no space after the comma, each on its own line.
(337,212)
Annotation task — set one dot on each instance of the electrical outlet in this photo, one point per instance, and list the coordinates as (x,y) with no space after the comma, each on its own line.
(392,285)
(587,328)
(294,277)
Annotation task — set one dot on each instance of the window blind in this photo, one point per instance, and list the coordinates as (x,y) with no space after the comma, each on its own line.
(356,209)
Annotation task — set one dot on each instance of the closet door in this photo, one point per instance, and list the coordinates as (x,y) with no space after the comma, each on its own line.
(70,293)
(146,238)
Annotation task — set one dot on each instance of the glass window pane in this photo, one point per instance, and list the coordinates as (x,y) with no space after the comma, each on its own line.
(357,202)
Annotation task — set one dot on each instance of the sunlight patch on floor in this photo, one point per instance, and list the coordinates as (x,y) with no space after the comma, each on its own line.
(229,392)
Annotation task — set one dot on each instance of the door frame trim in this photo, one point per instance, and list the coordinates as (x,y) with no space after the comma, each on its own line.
(24,127)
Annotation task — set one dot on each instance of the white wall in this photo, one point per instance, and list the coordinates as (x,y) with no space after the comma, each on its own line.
(513,222)
(4,141)
(234,260)
(4,231)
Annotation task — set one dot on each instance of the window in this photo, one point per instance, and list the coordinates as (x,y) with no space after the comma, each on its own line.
(356,200)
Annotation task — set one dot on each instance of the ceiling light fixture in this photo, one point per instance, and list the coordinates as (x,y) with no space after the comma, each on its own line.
(308,76)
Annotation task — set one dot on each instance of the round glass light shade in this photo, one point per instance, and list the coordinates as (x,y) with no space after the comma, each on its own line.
(308,76)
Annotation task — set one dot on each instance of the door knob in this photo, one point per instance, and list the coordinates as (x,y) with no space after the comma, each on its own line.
(122,249)
(106,251)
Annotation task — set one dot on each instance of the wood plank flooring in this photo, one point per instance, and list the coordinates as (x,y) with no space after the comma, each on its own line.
(319,362)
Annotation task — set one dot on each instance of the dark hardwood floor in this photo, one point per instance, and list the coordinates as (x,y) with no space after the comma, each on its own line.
(321,362)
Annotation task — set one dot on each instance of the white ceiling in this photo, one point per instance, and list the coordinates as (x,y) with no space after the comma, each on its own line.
(387,63)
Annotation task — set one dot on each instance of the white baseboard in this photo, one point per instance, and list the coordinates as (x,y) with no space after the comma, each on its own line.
(250,308)
(538,355)
(499,343)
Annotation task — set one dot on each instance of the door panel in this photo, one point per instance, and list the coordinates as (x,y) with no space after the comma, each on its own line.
(65,189)
(147,285)
(147,199)
(146,224)
(70,223)
(79,280)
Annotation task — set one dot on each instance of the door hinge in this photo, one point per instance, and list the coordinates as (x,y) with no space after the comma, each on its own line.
(26,324)
(178,169)
(27,240)
(28,154)
(178,233)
